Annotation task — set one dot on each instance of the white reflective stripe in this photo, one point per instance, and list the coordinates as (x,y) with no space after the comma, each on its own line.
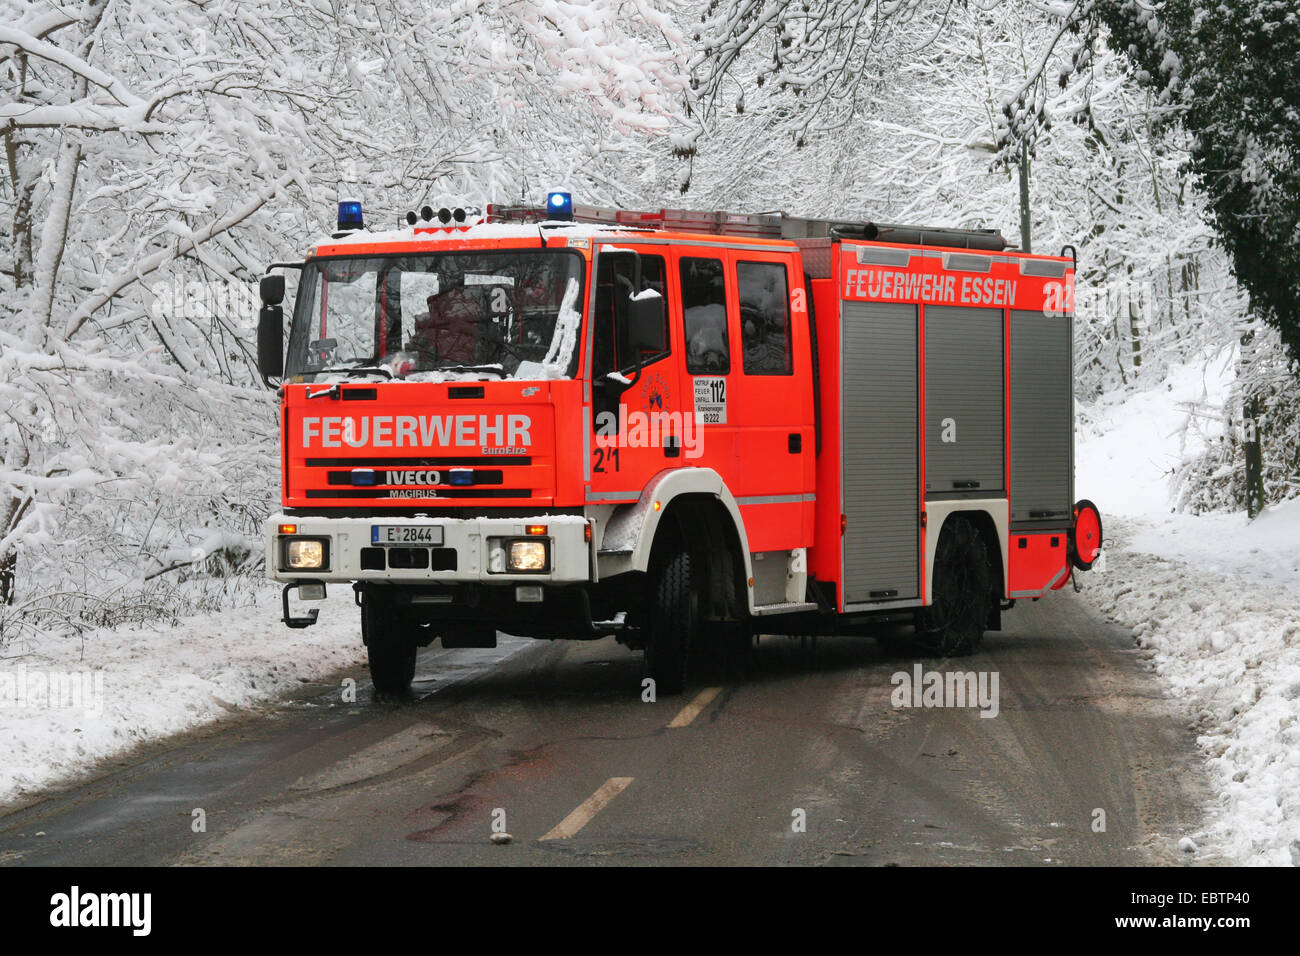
(884,256)
(613,495)
(586,442)
(1048,269)
(967,262)
(774,499)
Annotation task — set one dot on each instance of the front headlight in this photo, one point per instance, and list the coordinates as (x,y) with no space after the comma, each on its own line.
(527,556)
(304,555)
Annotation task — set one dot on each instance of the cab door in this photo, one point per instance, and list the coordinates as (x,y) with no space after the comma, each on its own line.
(770,400)
(633,433)
(707,363)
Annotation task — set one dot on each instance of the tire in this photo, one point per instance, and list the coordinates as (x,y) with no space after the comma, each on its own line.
(954,623)
(673,624)
(390,644)
(724,652)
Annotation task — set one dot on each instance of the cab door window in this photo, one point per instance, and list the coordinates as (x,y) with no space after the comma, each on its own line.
(704,313)
(616,283)
(764,317)
(619,276)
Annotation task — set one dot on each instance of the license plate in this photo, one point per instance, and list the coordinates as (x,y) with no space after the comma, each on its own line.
(430,534)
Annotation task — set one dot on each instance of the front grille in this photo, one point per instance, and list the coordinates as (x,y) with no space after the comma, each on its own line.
(407,559)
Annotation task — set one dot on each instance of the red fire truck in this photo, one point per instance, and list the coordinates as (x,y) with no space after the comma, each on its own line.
(673,427)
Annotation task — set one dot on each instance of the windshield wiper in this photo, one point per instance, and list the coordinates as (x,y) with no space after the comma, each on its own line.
(494,369)
(355,370)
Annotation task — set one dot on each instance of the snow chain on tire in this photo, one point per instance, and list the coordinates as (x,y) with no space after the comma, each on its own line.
(953,624)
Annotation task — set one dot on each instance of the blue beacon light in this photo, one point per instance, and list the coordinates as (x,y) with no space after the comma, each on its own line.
(350,215)
(559,206)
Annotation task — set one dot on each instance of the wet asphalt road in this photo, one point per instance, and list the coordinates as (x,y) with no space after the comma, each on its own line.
(804,760)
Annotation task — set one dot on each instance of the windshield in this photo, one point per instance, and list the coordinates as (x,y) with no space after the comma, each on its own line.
(480,315)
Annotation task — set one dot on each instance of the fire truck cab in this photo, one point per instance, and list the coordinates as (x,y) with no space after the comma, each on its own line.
(672,427)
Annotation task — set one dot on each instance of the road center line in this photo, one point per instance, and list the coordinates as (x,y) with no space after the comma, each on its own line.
(580,817)
(692,710)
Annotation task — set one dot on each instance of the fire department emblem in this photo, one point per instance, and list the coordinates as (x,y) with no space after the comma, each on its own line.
(655,392)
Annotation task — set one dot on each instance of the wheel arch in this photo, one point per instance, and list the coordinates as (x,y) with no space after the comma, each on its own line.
(695,505)
(991,519)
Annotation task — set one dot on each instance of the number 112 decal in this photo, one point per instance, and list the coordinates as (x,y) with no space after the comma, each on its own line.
(711,401)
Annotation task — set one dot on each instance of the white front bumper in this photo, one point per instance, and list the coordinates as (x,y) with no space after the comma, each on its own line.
(571,557)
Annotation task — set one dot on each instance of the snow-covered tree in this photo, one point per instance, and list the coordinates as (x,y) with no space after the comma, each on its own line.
(159,153)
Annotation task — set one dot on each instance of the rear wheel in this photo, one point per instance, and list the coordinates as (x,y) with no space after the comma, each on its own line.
(953,624)
(673,623)
(391,643)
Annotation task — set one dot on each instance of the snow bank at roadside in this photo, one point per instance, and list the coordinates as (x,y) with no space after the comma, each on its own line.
(68,702)
(1216,597)
(1266,550)
(1128,444)
(1228,646)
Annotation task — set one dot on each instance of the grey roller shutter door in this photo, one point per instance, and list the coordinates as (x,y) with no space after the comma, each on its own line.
(879,381)
(1042,411)
(964,400)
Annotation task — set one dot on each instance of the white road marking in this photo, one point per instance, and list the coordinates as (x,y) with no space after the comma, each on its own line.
(389,753)
(580,817)
(692,710)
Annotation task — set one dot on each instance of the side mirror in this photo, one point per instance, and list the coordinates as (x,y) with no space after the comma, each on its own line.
(270,337)
(645,322)
(272,289)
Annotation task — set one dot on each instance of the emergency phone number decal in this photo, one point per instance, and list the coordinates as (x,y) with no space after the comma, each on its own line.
(711,401)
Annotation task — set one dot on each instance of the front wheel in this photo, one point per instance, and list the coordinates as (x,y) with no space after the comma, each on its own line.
(953,624)
(390,644)
(673,623)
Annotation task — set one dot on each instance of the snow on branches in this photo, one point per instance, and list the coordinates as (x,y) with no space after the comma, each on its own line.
(158,154)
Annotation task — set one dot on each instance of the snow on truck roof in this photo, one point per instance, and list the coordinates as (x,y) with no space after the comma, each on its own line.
(491,233)
(488,235)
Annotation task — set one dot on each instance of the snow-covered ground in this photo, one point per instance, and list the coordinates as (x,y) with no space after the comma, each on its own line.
(68,702)
(1217,599)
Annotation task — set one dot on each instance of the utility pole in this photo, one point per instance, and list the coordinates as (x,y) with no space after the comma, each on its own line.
(1024,198)
(1252,441)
